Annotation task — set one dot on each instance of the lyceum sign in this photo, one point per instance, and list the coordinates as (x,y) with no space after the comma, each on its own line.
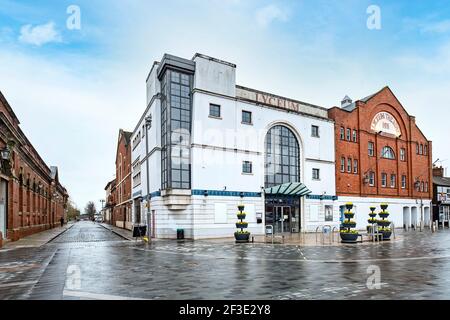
(385,122)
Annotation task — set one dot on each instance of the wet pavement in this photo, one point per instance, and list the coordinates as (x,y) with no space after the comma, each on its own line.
(90,262)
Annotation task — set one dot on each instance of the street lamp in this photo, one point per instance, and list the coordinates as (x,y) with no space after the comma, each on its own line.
(148,125)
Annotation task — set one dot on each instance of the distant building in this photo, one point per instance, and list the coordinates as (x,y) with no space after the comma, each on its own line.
(109,201)
(32,198)
(441,198)
(382,156)
(121,216)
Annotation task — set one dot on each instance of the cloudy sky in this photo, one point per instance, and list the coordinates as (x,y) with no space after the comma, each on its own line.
(73,88)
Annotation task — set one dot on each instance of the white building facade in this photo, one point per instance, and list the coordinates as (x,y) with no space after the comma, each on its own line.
(205,145)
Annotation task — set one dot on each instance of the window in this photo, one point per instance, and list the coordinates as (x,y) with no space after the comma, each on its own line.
(425,149)
(393,180)
(421,149)
(371,178)
(370,149)
(342,164)
(328,213)
(176,109)
(342,133)
(349,132)
(421,186)
(315,131)
(143,131)
(282,161)
(355,136)
(349,165)
(355,166)
(426,186)
(403,182)
(247,167)
(214,110)
(387,153)
(402,154)
(316,174)
(383,179)
(417,148)
(246,117)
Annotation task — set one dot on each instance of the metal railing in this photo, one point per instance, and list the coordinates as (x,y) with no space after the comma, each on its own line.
(323,232)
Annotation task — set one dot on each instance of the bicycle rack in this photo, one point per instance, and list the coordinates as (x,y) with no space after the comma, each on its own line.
(332,233)
(392,226)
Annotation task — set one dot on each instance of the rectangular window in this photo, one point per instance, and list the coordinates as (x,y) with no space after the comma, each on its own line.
(342,164)
(246,117)
(355,166)
(403,182)
(426,186)
(342,133)
(402,154)
(247,167)
(355,136)
(371,179)
(315,131)
(370,149)
(421,149)
(393,180)
(425,149)
(316,174)
(349,165)
(349,133)
(214,110)
(383,179)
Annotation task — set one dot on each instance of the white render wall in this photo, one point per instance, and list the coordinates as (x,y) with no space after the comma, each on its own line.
(396,210)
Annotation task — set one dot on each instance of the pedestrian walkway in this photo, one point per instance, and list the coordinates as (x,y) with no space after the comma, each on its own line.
(37,239)
(126,234)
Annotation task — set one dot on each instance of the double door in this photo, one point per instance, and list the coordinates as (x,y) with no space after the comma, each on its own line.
(285,219)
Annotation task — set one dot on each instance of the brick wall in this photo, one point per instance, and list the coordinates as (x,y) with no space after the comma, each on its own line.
(416,167)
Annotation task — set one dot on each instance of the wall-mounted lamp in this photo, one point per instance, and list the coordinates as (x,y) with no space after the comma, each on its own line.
(241,194)
(205,193)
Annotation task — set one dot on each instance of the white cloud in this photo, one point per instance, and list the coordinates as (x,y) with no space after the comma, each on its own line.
(268,14)
(40,34)
(437,27)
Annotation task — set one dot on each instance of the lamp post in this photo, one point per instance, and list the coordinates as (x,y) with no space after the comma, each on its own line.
(148,125)
(102,201)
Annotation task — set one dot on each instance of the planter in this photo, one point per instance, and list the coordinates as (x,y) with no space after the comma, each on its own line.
(386,235)
(349,206)
(383,223)
(384,206)
(241,225)
(241,207)
(372,221)
(349,215)
(241,216)
(383,215)
(242,237)
(372,215)
(349,237)
(349,224)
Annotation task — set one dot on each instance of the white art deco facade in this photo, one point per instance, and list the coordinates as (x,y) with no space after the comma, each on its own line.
(205,145)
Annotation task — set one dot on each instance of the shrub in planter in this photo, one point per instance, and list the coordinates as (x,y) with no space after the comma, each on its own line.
(348,235)
(241,236)
(384,223)
(384,206)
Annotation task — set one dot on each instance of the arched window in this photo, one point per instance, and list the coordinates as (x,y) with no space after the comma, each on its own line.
(387,153)
(282,160)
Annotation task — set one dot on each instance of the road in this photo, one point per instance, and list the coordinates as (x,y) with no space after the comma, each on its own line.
(90,262)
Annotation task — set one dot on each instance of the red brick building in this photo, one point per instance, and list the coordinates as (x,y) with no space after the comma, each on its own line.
(121,192)
(382,156)
(31,197)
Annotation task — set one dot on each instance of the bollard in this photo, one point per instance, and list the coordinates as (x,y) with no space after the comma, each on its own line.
(1,239)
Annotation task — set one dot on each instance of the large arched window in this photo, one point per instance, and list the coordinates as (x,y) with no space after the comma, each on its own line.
(282,160)
(387,153)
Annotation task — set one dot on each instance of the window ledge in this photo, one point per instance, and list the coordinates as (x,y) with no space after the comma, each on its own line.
(247,174)
(214,117)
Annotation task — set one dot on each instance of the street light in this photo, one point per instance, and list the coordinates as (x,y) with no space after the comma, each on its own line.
(148,125)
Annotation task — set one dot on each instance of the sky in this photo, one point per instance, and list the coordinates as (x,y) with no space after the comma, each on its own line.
(74,71)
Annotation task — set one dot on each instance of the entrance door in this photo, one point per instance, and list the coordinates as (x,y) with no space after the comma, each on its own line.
(3,206)
(283,218)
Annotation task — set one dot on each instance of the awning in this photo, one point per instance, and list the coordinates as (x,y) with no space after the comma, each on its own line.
(289,189)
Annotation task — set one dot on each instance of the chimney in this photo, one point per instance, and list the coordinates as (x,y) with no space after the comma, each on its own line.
(346,102)
(438,172)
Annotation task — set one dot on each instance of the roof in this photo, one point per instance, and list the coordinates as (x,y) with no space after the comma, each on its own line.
(110,183)
(352,106)
(289,189)
(127,135)
(441,181)
(53,172)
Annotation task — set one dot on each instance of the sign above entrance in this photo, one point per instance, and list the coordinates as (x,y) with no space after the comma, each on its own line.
(385,122)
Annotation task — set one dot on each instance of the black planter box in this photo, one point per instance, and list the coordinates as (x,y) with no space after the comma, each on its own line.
(349,237)
(242,237)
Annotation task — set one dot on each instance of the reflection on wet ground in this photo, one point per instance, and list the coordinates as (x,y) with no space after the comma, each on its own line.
(90,262)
